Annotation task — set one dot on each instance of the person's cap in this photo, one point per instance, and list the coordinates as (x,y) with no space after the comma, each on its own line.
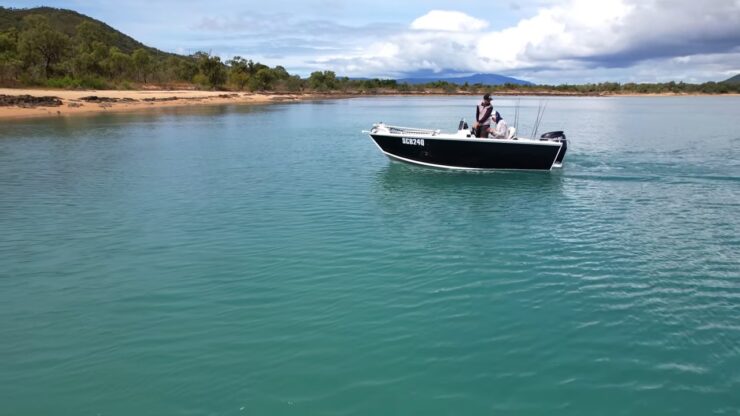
(496,115)
(487,97)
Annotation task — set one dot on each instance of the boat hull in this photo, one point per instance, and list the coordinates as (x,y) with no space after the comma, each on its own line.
(469,154)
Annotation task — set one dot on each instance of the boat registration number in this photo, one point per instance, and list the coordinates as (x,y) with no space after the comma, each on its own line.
(413,142)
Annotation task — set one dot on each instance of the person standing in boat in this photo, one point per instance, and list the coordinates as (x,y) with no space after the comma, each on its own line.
(483,117)
(501,129)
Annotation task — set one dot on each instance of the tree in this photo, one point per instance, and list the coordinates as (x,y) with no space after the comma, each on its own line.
(238,71)
(238,79)
(211,68)
(280,73)
(186,69)
(170,69)
(142,63)
(263,79)
(8,42)
(322,81)
(90,60)
(293,84)
(88,34)
(39,44)
(120,64)
(10,65)
(254,67)
(91,50)
(239,64)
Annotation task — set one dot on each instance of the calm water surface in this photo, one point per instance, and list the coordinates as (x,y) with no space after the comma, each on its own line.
(270,261)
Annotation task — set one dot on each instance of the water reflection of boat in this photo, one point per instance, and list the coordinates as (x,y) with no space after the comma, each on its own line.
(410,178)
(403,186)
(462,151)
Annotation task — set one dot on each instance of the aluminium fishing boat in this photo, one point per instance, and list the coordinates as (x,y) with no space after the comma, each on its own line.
(462,150)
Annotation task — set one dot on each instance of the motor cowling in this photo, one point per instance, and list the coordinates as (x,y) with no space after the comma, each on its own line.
(557,136)
(553,135)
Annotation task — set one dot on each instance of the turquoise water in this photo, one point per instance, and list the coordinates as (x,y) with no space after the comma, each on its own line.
(270,261)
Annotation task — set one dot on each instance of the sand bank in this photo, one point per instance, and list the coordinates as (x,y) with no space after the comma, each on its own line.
(91,101)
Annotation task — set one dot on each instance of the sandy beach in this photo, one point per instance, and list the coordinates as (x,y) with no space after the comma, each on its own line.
(72,102)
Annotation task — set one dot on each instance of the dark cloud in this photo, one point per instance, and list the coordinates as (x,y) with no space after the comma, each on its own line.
(655,29)
(657,49)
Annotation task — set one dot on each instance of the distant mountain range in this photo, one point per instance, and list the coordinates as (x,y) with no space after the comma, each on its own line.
(733,80)
(457,78)
(424,77)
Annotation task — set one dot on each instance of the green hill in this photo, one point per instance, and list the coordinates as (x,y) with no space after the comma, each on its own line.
(66,21)
(60,48)
(733,80)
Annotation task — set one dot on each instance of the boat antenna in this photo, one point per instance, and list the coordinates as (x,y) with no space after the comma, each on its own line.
(540,114)
(516,114)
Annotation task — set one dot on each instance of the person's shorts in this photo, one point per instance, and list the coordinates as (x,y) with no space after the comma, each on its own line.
(482,130)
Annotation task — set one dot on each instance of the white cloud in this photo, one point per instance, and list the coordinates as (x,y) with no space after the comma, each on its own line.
(571,36)
(448,21)
(548,41)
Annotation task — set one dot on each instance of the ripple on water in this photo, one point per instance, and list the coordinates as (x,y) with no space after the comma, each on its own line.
(229,262)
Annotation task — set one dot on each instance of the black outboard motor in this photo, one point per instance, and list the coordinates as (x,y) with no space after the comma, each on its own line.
(463,125)
(557,136)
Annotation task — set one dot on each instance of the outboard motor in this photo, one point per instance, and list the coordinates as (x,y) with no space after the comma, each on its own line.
(557,136)
(463,125)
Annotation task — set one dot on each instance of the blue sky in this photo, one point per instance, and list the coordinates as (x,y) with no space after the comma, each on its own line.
(546,41)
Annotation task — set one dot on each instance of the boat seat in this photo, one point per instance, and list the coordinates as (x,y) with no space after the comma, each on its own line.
(511,133)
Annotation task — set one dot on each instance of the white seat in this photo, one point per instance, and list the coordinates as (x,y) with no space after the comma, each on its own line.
(511,133)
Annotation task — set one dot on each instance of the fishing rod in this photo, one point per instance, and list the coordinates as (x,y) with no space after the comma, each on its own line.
(540,113)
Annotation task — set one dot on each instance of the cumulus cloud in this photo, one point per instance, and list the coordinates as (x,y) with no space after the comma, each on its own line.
(574,35)
(560,40)
(448,21)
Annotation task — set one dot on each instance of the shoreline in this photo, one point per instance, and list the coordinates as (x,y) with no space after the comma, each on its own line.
(63,103)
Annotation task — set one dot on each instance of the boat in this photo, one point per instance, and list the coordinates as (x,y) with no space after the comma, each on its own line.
(462,150)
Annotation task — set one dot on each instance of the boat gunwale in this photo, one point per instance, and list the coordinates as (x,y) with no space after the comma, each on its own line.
(452,137)
(461,168)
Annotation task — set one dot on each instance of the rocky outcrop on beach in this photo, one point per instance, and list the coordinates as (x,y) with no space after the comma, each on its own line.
(28,101)
(97,99)
(155,99)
